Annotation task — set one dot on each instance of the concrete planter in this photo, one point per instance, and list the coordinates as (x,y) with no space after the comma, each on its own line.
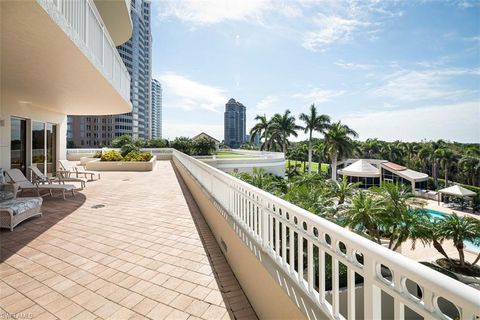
(98,165)
(85,160)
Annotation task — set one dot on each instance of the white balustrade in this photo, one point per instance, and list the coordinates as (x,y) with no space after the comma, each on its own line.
(281,229)
(85,25)
(299,242)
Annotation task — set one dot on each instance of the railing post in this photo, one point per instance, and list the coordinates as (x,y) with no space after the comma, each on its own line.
(372,294)
(335,287)
(264,225)
(321,275)
(351,302)
(398,306)
(310,268)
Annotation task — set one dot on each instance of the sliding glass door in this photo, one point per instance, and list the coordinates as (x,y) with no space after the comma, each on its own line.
(44,148)
(51,147)
(18,144)
(38,145)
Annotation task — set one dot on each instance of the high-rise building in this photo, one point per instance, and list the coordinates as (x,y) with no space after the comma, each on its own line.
(234,124)
(156,109)
(136,53)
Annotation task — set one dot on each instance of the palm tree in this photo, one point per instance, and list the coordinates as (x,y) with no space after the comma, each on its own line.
(282,127)
(470,165)
(428,232)
(313,122)
(398,220)
(446,157)
(258,178)
(337,143)
(391,151)
(459,230)
(342,190)
(363,214)
(261,128)
(371,148)
(319,150)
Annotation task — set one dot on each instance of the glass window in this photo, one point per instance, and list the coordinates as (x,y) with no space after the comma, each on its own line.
(38,145)
(18,144)
(51,148)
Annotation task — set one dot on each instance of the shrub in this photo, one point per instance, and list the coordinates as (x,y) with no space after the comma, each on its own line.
(138,156)
(97,155)
(183,144)
(127,148)
(111,155)
(157,143)
(203,146)
(121,141)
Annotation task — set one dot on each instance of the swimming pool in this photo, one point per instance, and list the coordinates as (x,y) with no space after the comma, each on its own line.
(437,214)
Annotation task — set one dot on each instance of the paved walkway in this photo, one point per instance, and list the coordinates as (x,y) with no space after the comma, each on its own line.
(130,246)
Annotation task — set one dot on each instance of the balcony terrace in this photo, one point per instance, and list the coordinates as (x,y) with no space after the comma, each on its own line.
(131,245)
(189,241)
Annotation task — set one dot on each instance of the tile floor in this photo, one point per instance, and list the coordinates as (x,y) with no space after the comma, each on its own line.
(130,246)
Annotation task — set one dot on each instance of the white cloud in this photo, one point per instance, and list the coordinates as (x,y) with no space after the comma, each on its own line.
(353,66)
(182,92)
(315,24)
(208,12)
(266,103)
(414,85)
(318,95)
(456,122)
(330,29)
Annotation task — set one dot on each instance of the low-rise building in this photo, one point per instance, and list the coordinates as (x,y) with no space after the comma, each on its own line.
(372,172)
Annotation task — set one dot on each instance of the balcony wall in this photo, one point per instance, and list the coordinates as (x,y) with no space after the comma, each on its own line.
(117,19)
(58,56)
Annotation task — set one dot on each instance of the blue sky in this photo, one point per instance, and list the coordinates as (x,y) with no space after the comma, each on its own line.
(407,70)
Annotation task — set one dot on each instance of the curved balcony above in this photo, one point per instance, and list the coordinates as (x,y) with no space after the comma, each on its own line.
(116,16)
(57,55)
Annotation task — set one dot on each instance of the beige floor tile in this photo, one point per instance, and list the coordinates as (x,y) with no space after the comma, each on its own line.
(85,263)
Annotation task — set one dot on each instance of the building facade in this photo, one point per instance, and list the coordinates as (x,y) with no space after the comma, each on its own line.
(53,65)
(234,124)
(136,53)
(156,109)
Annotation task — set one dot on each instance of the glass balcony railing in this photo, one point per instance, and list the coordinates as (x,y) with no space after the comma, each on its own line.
(80,20)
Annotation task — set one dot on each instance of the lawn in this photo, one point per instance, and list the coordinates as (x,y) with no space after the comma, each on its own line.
(302,164)
(228,154)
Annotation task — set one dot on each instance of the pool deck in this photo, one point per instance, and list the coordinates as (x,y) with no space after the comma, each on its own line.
(431,204)
(429,253)
(132,245)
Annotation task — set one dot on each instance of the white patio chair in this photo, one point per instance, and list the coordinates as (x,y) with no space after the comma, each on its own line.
(78,170)
(17,177)
(61,177)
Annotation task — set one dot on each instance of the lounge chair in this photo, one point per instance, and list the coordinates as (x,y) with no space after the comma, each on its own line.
(17,177)
(62,177)
(14,210)
(78,170)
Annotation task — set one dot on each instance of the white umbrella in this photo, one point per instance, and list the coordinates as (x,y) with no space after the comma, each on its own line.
(456,191)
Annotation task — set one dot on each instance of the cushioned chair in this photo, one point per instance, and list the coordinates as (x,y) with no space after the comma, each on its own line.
(14,210)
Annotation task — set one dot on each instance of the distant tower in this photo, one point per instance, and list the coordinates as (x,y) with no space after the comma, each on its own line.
(156,109)
(136,53)
(234,124)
